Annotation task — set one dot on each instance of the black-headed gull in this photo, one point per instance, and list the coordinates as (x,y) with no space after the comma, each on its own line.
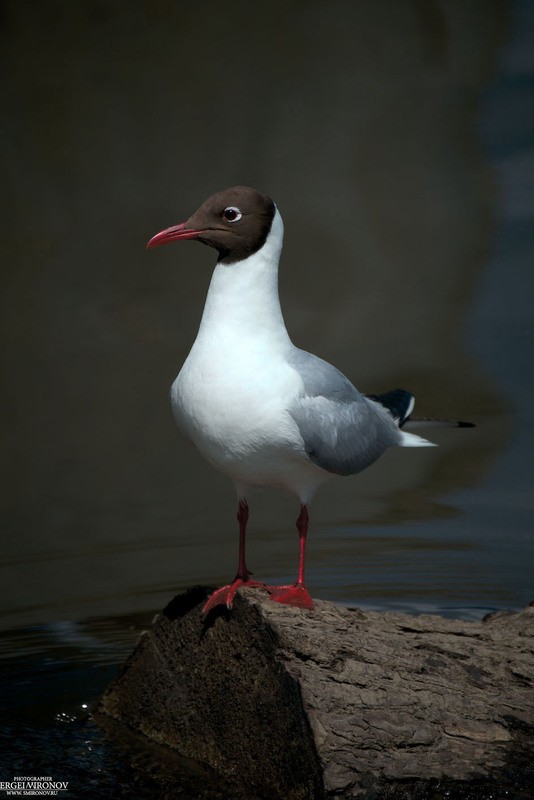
(261,410)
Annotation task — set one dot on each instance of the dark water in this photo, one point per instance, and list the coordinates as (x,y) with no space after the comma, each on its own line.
(398,142)
(51,677)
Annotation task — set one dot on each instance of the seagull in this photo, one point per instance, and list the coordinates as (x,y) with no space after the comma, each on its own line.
(259,409)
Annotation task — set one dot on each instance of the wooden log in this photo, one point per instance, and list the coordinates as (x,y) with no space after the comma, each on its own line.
(336,702)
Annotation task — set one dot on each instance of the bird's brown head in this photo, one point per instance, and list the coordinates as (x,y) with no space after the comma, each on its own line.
(236,222)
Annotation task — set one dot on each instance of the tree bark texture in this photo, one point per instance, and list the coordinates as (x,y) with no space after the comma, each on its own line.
(336,702)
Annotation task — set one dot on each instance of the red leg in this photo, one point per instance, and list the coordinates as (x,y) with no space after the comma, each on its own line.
(296,594)
(225,595)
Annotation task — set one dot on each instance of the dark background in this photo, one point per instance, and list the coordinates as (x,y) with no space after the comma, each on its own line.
(397,141)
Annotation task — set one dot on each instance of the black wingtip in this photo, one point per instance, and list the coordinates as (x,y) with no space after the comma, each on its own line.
(398,402)
(461,424)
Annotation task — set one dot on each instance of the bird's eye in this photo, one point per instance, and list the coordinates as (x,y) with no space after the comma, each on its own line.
(232,214)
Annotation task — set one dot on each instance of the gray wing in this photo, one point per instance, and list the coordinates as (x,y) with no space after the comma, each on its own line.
(343,431)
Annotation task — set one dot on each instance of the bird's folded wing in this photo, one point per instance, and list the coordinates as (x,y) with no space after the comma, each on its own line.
(342,431)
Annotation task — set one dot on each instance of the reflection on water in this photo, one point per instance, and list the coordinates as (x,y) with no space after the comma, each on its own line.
(51,676)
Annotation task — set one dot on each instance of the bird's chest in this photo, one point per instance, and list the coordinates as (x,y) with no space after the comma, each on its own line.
(232,401)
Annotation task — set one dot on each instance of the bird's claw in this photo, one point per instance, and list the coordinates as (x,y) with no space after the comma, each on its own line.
(226,594)
(293,595)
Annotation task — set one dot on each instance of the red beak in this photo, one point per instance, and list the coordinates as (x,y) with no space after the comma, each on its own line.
(173,234)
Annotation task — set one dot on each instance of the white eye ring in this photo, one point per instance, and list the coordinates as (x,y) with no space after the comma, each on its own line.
(232,214)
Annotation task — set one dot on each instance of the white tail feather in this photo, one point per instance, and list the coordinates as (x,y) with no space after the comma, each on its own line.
(412,440)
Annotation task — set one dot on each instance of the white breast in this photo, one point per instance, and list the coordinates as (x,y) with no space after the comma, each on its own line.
(236,385)
(235,410)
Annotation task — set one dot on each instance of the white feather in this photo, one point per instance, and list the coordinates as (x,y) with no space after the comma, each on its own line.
(412,440)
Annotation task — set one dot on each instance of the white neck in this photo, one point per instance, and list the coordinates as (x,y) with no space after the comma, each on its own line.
(243,297)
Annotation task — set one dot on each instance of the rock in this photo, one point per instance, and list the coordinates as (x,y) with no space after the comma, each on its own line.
(336,702)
